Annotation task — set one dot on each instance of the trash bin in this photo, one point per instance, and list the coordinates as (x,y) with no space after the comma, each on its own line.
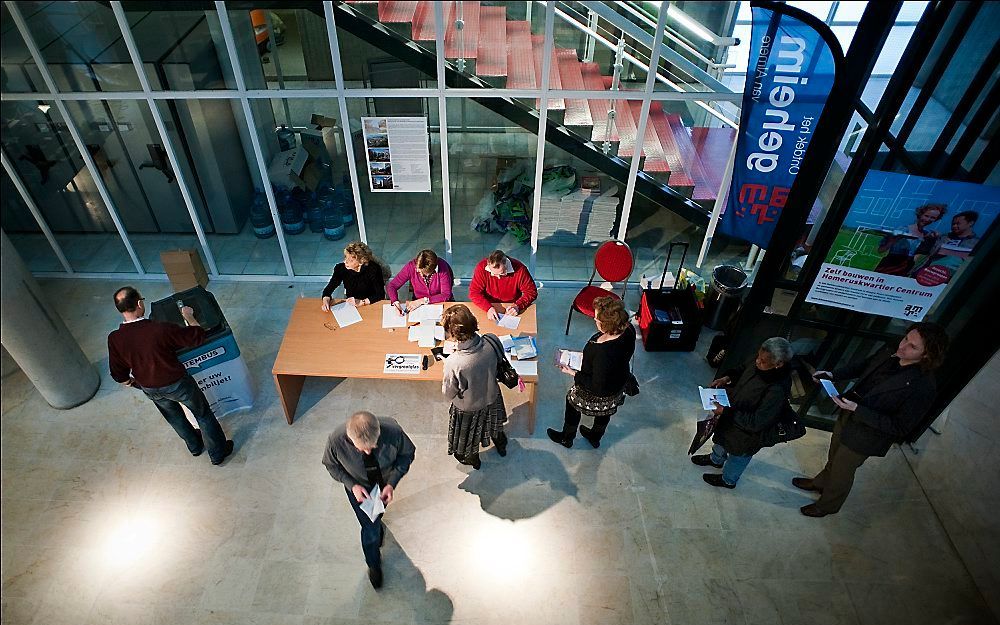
(724,295)
(216,364)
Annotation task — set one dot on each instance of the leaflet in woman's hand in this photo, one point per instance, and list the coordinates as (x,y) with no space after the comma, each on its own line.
(708,395)
(569,358)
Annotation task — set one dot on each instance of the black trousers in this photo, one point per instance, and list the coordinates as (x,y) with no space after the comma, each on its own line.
(572,423)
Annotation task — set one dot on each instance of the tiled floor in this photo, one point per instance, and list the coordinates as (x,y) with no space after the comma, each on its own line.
(107,519)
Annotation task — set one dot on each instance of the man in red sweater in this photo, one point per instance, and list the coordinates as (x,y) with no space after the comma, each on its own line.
(143,353)
(499,278)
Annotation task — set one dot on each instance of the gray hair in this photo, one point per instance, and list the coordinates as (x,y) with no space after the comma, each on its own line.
(780,350)
(363,429)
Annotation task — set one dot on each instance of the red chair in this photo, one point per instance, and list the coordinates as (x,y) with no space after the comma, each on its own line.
(613,262)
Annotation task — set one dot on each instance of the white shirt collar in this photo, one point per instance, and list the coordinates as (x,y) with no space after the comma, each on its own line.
(134,320)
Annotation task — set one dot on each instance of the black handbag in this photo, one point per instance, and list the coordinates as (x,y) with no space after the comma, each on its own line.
(785,430)
(505,371)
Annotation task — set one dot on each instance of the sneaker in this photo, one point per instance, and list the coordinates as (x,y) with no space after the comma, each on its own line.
(716,480)
(557,437)
(226,454)
(705,460)
(588,434)
(375,576)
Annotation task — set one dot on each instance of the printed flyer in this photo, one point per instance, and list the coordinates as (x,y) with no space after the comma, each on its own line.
(398,153)
(902,242)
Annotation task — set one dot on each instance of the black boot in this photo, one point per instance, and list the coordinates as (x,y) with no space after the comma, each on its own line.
(375,576)
(472,460)
(591,436)
(558,437)
(501,444)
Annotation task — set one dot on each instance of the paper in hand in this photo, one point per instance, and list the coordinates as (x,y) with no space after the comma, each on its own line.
(373,506)
(830,389)
(710,394)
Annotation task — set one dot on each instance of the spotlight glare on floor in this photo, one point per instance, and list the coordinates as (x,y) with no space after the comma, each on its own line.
(130,540)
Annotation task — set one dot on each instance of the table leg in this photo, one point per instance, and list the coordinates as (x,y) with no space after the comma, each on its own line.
(530,387)
(289,389)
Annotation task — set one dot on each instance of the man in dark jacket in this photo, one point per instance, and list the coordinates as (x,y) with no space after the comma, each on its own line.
(143,353)
(364,452)
(758,397)
(888,402)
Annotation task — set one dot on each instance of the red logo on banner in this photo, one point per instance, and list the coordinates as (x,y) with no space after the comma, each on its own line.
(935,275)
(753,198)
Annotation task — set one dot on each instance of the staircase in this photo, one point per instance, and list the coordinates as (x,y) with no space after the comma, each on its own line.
(680,167)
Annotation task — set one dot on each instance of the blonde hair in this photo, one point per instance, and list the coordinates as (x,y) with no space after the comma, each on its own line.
(363,429)
(459,322)
(364,255)
(611,313)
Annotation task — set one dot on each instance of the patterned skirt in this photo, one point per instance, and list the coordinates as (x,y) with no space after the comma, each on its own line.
(468,430)
(592,405)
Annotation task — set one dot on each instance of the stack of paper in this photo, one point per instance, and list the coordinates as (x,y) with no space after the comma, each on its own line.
(524,347)
(578,218)
(427,312)
(392,318)
(346,314)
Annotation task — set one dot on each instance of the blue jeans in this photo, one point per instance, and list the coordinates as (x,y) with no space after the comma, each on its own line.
(733,466)
(371,533)
(168,400)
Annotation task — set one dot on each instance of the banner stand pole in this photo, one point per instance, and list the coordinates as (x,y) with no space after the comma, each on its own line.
(720,201)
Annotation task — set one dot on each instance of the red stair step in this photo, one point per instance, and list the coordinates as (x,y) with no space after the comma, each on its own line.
(555,82)
(520,66)
(423,19)
(624,129)
(689,156)
(654,161)
(713,146)
(593,81)
(491,58)
(452,48)
(577,111)
(679,178)
(396,11)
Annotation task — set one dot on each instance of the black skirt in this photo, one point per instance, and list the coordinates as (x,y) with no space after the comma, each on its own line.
(468,430)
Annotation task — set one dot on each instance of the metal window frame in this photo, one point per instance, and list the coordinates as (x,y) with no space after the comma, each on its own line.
(442,92)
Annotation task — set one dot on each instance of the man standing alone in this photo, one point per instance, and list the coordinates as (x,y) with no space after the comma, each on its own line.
(143,353)
(360,454)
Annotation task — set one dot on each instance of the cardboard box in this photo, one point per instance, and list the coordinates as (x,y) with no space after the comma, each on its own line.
(184,269)
(286,167)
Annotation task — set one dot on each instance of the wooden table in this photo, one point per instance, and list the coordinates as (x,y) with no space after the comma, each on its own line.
(311,348)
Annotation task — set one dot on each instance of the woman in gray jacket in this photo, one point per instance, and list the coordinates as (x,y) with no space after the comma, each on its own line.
(470,382)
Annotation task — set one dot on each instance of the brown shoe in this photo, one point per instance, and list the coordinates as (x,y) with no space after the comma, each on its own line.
(805,484)
(813,511)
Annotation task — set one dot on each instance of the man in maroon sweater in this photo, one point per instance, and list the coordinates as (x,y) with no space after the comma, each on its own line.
(499,278)
(143,353)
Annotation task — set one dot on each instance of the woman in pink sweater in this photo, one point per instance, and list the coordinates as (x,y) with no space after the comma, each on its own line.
(430,278)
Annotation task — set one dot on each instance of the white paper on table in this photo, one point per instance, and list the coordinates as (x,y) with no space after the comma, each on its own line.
(413,334)
(439,332)
(571,359)
(525,367)
(427,312)
(509,321)
(830,389)
(392,318)
(346,314)
(709,394)
(506,341)
(373,506)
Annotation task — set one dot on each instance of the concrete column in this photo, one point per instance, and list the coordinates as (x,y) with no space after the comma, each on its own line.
(37,339)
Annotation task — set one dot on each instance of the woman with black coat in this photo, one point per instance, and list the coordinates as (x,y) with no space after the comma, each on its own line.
(362,275)
(599,386)
(758,398)
(885,406)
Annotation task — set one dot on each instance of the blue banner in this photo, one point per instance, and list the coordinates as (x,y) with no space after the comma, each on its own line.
(791,71)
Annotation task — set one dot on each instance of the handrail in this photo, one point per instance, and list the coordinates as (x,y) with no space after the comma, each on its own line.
(585,29)
(679,40)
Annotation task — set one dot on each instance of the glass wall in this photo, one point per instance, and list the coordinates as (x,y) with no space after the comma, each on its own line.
(268,184)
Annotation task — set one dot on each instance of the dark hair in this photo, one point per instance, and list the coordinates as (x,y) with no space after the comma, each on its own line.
(426,259)
(611,313)
(459,322)
(127,299)
(496,258)
(935,343)
(923,208)
(972,216)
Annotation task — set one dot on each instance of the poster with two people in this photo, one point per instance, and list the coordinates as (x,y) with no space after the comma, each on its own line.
(904,239)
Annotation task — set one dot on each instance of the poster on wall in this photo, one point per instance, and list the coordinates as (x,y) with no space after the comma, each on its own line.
(792,70)
(398,154)
(903,240)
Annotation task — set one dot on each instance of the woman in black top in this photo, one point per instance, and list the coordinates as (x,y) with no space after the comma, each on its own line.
(599,386)
(361,274)
(887,405)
